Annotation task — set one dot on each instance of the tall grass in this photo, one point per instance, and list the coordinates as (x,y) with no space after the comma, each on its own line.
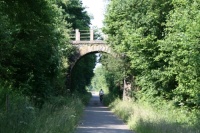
(165,118)
(57,115)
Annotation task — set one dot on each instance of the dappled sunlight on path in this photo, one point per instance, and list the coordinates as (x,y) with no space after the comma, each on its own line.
(98,119)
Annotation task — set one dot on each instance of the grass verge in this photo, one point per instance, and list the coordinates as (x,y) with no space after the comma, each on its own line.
(58,115)
(165,118)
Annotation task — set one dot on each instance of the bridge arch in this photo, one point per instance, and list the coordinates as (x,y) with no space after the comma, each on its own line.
(86,47)
(84,42)
(92,46)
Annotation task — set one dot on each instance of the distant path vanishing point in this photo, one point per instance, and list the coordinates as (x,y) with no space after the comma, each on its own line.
(98,119)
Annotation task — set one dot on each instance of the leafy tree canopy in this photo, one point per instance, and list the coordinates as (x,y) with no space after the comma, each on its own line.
(34,44)
(75,14)
(160,40)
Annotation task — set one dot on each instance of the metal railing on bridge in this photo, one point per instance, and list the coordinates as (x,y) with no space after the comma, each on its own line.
(84,35)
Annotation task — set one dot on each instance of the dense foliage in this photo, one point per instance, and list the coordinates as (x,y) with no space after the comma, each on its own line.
(114,72)
(82,73)
(33,42)
(109,76)
(58,114)
(35,53)
(99,80)
(75,14)
(161,42)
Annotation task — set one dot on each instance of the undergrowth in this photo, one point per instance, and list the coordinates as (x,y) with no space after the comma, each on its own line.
(143,117)
(57,115)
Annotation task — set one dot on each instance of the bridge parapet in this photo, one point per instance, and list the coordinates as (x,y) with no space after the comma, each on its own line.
(88,42)
(85,35)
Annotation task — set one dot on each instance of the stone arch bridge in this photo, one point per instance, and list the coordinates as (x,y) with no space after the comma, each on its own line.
(84,47)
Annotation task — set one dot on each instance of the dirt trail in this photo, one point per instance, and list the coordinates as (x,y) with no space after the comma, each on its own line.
(98,119)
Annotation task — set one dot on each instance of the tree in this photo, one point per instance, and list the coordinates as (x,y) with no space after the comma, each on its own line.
(75,14)
(181,51)
(34,41)
(133,28)
(99,80)
(113,69)
(82,73)
(162,49)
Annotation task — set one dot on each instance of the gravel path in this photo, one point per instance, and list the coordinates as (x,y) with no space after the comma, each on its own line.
(98,119)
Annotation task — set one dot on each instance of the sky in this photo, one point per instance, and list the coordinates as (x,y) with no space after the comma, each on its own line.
(96,8)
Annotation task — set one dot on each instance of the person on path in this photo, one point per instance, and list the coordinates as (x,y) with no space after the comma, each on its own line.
(101,93)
